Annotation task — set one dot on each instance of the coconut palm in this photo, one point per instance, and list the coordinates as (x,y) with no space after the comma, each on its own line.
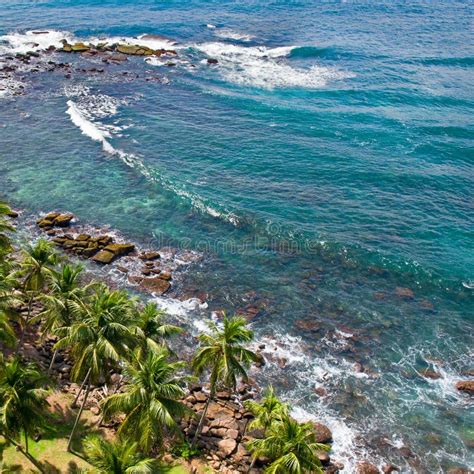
(63,302)
(98,339)
(223,354)
(38,262)
(150,400)
(5,229)
(8,303)
(22,401)
(118,457)
(152,329)
(266,412)
(291,446)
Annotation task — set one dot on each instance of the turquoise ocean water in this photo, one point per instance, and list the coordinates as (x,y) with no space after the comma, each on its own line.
(320,169)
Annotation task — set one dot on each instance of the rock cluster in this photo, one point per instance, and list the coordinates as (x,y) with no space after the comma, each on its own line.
(121,49)
(225,431)
(102,249)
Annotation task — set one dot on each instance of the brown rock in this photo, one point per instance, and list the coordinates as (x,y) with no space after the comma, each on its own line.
(459,470)
(323,433)
(366,468)
(388,468)
(13,214)
(44,223)
(63,220)
(323,456)
(165,276)
(149,256)
(320,391)
(83,237)
(104,257)
(136,280)
(120,249)
(226,447)
(155,285)
(430,374)
(405,293)
(466,386)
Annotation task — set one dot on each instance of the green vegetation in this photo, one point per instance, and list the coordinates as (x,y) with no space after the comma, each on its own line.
(223,354)
(106,331)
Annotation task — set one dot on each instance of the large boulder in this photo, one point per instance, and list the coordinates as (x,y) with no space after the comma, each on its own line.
(366,468)
(119,249)
(226,447)
(155,285)
(466,386)
(135,50)
(63,220)
(104,257)
(323,433)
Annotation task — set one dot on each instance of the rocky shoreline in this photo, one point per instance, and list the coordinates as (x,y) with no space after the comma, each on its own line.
(224,435)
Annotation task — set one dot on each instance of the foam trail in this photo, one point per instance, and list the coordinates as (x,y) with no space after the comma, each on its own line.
(94,132)
(33,41)
(259,66)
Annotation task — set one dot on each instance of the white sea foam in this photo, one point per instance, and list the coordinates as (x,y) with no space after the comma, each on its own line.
(84,114)
(227,33)
(10,87)
(268,68)
(35,40)
(142,40)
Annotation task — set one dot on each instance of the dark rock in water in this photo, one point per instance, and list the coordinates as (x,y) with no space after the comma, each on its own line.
(155,285)
(212,61)
(135,280)
(430,374)
(405,293)
(459,470)
(104,257)
(120,249)
(135,50)
(43,223)
(366,468)
(165,276)
(117,57)
(320,391)
(149,256)
(388,468)
(323,456)
(62,220)
(307,325)
(466,386)
(323,433)
(427,305)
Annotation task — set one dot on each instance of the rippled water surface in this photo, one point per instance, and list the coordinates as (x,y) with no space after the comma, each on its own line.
(322,169)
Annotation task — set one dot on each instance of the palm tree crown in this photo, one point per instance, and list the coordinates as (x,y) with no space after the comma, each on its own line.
(291,446)
(267,411)
(100,335)
(223,352)
(119,457)
(38,260)
(22,399)
(150,400)
(152,329)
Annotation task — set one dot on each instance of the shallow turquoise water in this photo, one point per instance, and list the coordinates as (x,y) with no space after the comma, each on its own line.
(314,180)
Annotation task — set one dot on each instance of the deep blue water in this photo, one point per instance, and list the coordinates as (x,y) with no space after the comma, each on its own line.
(324,162)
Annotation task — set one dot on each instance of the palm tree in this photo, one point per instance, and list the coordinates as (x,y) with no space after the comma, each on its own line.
(5,229)
(118,457)
(150,401)
(22,400)
(63,302)
(8,302)
(291,446)
(222,352)
(152,329)
(98,339)
(38,262)
(266,412)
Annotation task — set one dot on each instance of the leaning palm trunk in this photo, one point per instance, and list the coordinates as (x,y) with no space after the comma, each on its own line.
(252,464)
(203,416)
(78,416)
(55,353)
(23,328)
(74,403)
